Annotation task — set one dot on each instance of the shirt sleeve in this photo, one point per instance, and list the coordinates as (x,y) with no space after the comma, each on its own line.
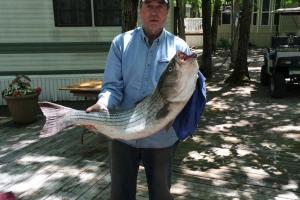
(112,88)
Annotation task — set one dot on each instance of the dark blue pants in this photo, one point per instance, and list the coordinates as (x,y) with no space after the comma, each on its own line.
(124,165)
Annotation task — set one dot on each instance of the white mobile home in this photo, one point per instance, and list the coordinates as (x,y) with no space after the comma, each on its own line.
(263,22)
(57,42)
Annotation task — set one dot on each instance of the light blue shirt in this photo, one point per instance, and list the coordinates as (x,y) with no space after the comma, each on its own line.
(132,72)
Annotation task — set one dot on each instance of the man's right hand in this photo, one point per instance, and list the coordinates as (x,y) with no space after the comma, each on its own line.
(97,107)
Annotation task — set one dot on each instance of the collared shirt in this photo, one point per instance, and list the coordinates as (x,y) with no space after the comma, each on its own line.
(132,71)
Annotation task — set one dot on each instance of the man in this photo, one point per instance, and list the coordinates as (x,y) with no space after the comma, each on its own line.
(135,62)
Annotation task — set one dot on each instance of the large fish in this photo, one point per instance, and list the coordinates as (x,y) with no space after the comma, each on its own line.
(175,87)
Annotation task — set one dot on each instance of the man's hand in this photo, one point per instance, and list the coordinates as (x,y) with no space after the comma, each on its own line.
(97,107)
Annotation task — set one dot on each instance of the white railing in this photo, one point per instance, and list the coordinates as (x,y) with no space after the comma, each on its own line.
(193,25)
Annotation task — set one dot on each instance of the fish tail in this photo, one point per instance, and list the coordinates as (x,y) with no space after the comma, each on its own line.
(55,118)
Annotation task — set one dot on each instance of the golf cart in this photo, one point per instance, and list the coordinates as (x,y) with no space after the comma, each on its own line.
(282,61)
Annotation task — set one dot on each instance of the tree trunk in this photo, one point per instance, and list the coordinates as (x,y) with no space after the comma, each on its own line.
(235,17)
(206,63)
(240,72)
(195,9)
(181,27)
(129,14)
(215,24)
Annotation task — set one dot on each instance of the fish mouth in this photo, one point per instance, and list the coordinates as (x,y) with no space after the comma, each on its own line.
(184,57)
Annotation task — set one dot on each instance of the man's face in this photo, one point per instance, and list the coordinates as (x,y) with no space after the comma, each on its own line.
(153,16)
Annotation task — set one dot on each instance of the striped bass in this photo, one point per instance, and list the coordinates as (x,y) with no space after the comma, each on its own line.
(175,87)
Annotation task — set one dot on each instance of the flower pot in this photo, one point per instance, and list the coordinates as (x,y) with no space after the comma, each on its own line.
(23,109)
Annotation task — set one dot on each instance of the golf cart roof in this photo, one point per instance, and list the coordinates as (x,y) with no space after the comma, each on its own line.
(288,11)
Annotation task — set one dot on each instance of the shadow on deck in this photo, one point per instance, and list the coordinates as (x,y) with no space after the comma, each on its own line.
(247,147)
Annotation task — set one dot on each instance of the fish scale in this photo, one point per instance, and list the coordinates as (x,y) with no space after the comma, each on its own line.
(116,119)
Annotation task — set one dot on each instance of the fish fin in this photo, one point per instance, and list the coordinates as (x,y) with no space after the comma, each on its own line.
(54,115)
(163,112)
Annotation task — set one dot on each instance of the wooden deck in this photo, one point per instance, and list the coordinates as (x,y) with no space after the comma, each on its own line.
(247,147)
(61,167)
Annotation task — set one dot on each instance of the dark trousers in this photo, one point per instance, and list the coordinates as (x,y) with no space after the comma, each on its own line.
(124,165)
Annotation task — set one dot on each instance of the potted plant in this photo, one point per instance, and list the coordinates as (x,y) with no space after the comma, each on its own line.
(22,99)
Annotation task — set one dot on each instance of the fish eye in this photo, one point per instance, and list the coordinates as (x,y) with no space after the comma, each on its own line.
(170,68)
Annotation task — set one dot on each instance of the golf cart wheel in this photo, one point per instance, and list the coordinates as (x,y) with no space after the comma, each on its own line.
(277,85)
(264,76)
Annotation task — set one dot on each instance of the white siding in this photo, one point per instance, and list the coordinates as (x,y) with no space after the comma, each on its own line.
(52,61)
(33,21)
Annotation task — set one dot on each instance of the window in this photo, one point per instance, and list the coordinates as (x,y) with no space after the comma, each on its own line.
(265,12)
(73,13)
(226,14)
(107,13)
(226,18)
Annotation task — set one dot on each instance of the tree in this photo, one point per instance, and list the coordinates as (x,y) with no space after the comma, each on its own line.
(206,62)
(240,72)
(129,14)
(215,23)
(180,4)
(235,17)
(195,8)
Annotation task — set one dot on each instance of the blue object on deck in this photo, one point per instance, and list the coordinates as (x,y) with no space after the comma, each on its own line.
(188,119)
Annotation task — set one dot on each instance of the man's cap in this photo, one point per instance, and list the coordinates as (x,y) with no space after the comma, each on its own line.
(163,1)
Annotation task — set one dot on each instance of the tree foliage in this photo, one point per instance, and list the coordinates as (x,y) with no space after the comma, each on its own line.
(195,7)
(289,3)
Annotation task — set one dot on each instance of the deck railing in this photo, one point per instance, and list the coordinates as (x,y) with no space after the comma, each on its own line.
(193,25)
